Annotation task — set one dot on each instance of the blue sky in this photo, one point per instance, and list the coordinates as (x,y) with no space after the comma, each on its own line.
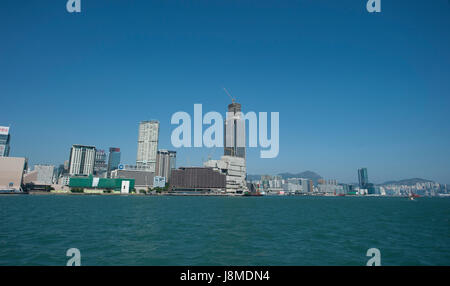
(353,89)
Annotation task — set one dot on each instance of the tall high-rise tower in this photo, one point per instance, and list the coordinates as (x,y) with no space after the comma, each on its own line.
(113,159)
(234,132)
(147,145)
(82,160)
(363,177)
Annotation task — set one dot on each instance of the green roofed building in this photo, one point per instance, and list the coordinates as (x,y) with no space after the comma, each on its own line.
(99,185)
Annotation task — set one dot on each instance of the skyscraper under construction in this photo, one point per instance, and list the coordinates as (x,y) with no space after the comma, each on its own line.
(234,132)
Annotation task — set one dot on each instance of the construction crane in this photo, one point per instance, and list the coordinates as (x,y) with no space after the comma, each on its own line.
(226,91)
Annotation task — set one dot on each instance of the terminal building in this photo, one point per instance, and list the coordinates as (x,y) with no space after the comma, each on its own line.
(197,180)
(11,173)
(234,170)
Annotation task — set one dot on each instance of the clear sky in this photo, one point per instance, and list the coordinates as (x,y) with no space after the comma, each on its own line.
(353,89)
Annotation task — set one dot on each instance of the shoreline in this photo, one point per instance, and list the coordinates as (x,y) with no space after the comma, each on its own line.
(207,195)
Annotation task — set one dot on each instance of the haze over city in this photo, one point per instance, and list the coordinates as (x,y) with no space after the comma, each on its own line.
(350,87)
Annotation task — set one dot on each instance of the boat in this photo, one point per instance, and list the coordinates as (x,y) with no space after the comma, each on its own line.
(413,196)
(252,194)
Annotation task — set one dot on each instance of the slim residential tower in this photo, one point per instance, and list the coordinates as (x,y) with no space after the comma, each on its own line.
(147,145)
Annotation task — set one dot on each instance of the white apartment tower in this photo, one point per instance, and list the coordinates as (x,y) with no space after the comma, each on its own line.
(147,145)
(82,160)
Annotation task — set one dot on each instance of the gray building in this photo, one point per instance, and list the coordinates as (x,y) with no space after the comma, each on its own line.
(143,180)
(197,179)
(165,163)
(4,141)
(82,160)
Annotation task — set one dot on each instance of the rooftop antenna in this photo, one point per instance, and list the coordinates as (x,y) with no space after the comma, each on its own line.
(226,91)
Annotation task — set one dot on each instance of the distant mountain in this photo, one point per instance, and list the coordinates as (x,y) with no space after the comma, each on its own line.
(253,177)
(307,175)
(408,182)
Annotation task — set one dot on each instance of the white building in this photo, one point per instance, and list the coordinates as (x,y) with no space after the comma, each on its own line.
(45,174)
(235,171)
(147,145)
(82,160)
(64,180)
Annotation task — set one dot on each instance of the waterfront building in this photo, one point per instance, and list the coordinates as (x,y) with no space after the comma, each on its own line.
(159,182)
(363,177)
(292,187)
(165,163)
(235,170)
(44,174)
(4,141)
(330,189)
(143,180)
(11,172)
(64,180)
(113,159)
(92,184)
(82,159)
(307,185)
(147,145)
(197,180)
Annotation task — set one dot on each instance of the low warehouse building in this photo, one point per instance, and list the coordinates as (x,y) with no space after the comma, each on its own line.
(197,179)
(100,185)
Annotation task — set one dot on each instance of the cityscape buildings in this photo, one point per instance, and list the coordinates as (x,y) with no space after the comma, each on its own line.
(154,168)
(233,164)
(147,145)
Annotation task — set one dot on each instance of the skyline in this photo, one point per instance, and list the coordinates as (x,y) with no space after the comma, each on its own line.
(353,89)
